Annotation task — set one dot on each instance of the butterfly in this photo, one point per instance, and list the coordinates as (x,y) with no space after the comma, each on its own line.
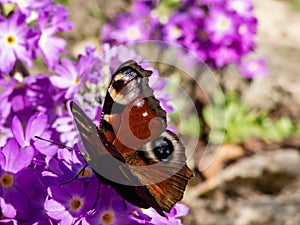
(132,149)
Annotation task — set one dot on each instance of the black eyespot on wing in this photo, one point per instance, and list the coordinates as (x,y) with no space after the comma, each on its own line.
(162,148)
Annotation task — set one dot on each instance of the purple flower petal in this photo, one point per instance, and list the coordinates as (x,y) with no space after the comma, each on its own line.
(76,188)
(23,159)
(58,194)
(91,192)
(16,159)
(54,207)
(2,161)
(17,130)
(18,199)
(60,82)
(7,209)
(254,68)
(10,151)
(36,126)
(29,181)
(17,47)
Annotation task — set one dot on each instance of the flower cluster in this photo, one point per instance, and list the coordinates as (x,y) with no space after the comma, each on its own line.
(220,32)
(29,29)
(42,182)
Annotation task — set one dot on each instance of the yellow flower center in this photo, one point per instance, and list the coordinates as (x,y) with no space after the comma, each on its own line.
(223,24)
(175,32)
(43,39)
(133,33)
(76,203)
(107,217)
(10,39)
(6,180)
(76,80)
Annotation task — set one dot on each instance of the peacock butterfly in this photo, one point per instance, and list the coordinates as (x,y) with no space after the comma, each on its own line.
(132,150)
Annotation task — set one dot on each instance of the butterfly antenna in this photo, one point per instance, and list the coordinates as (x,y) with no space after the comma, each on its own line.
(77,175)
(53,142)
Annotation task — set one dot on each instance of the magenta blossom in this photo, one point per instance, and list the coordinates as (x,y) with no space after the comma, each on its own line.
(13,201)
(223,56)
(111,209)
(220,26)
(172,218)
(50,45)
(65,167)
(14,42)
(254,68)
(68,78)
(36,126)
(68,203)
(52,20)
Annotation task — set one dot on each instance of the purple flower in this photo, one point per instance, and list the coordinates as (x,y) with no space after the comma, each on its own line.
(5,99)
(177,27)
(254,68)
(65,167)
(50,45)
(241,7)
(22,99)
(220,26)
(13,201)
(68,78)
(144,7)
(57,15)
(64,125)
(68,203)
(172,218)
(212,3)
(51,20)
(220,32)
(127,30)
(13,42)
(245,40)
(70,75)
(223,56)
(47,19)
(111,209)
(36,126)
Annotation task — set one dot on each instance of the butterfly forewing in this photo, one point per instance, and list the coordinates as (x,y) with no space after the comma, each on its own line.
(131,116)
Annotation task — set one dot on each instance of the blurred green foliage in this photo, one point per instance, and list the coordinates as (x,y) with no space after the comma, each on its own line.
(165,8)
(63,2)
(242,122)
(296,4)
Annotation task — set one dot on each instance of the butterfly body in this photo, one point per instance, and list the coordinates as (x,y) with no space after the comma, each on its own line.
(132,150)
